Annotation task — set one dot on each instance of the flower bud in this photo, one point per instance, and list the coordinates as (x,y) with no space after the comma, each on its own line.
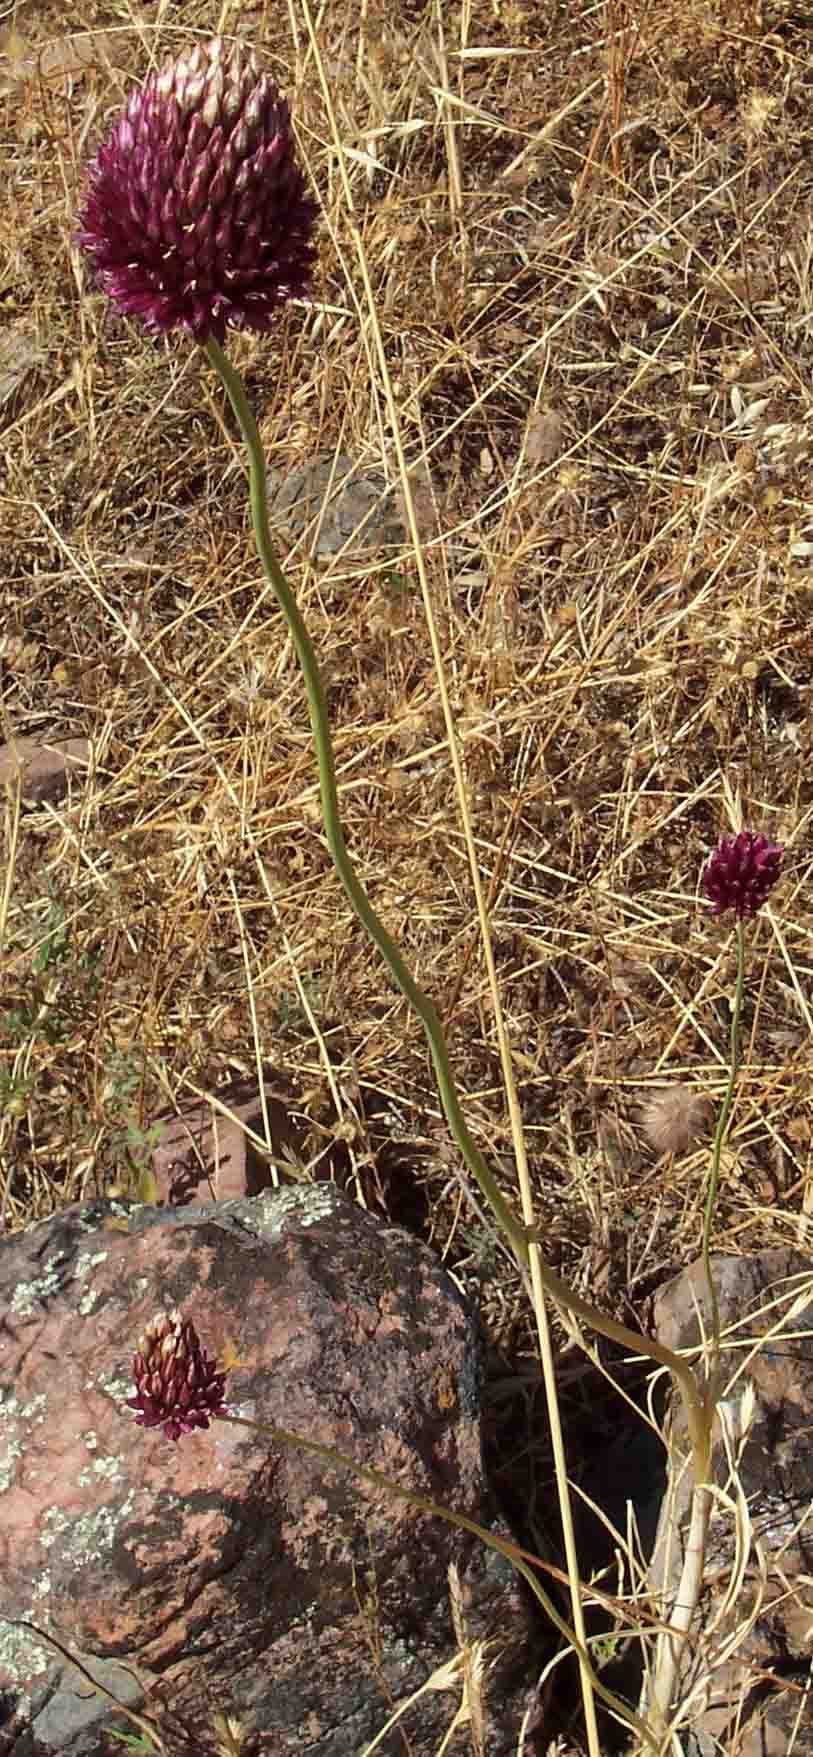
(178,1386)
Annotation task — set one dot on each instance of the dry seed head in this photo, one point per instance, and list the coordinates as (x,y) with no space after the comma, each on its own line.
(674,1119)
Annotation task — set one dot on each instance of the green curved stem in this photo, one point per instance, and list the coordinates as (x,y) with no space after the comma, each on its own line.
(334,834)
(720,1135)
(390,952)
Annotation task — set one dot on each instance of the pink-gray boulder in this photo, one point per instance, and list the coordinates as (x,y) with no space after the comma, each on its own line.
(228,1573)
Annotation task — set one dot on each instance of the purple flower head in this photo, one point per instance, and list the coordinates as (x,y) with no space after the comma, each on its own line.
(741,872)
(196,214)
(178,1386)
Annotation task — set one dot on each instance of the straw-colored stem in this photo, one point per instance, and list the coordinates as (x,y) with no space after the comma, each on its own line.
(672,1642)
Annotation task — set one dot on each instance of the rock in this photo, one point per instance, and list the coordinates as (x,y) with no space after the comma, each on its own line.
(45,768)
(360,509)
(751,1686)
(229,1572)
(21,353)
(206,1152)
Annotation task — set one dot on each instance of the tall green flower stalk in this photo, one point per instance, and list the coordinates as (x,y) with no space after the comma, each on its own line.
(197,218)
(739,876)
(513,1231)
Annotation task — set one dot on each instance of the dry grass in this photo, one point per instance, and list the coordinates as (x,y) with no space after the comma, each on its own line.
(590,246)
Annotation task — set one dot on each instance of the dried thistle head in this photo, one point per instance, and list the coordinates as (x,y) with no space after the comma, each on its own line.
(674,1118)
(178,1386)
(741,872)
(196,214)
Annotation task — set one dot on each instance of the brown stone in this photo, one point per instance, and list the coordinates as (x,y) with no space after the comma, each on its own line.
(231,1572)
(751,1700)
(334,505)
(213,1150)
(44,768)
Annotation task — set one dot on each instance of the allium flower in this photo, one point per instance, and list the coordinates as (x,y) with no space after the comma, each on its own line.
(178,1386)
(741,872)
(196,214)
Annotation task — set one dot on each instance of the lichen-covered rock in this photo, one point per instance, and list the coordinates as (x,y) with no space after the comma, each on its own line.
(227,1571)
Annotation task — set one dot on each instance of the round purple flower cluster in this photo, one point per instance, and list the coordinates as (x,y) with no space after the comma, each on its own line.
(196,214)
(741,872)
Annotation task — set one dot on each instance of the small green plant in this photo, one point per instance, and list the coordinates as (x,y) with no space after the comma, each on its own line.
(140,1142)
(15,1092)
(290,1011)
(132,1142)
(139,1742)
(61,982)
(54,944)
